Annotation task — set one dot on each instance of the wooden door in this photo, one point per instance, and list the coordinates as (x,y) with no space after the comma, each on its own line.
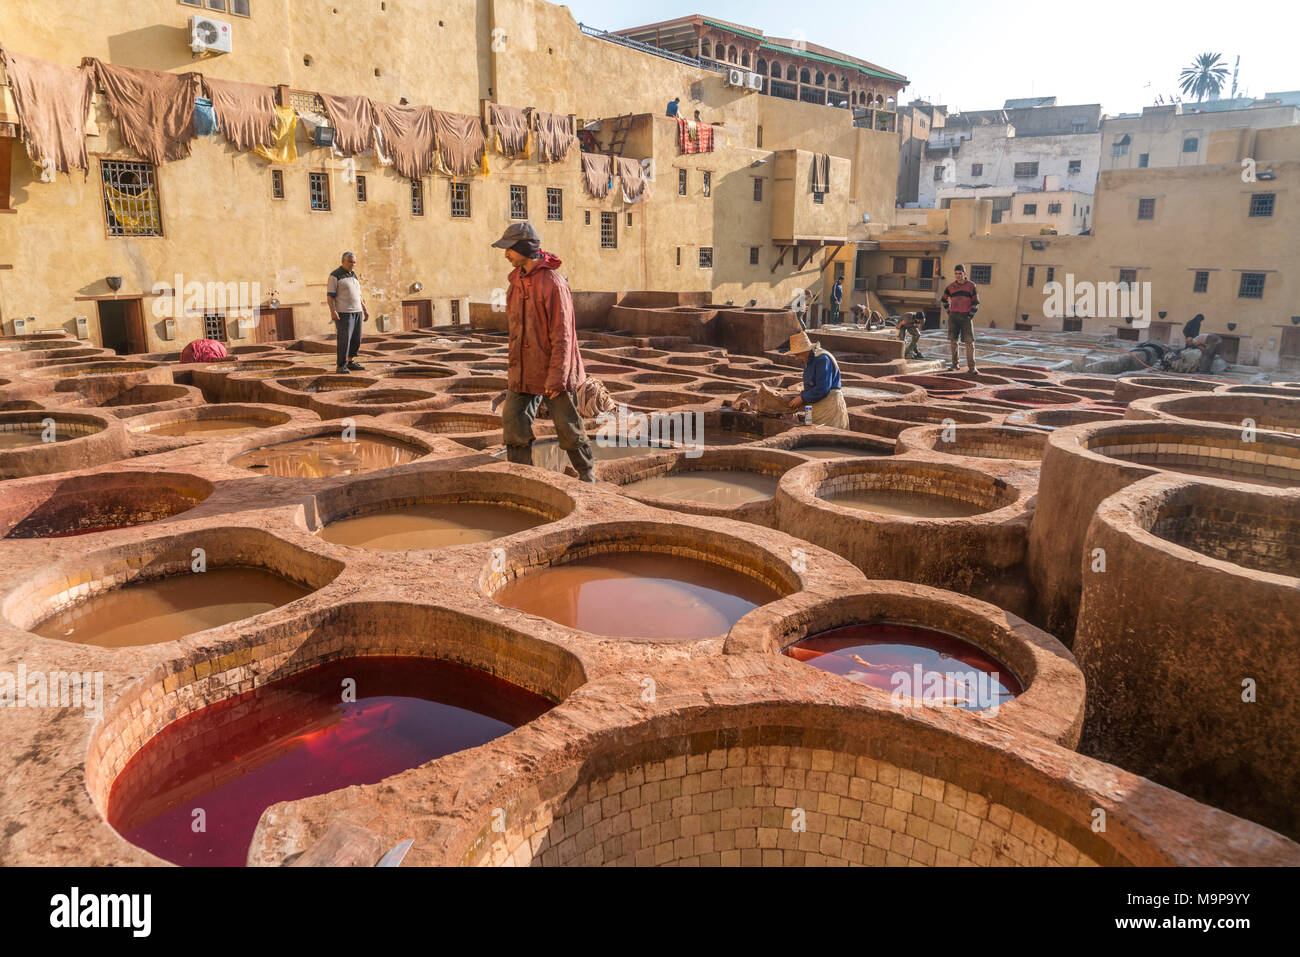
(1289,354)
(416,314)
(133,315)
(274,325)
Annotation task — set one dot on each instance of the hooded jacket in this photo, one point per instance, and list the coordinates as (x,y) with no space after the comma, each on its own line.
(544,354)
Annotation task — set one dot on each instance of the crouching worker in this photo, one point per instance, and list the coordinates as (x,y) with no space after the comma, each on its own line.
(544,361)
(821,383)
(909,327)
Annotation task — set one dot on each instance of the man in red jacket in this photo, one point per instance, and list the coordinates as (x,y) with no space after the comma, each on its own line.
(962,300)
(544,360)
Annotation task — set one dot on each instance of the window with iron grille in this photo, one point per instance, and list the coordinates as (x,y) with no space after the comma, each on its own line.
(981,275)
(277,184)
(1191,144)
(1031,209)
(130,198)
(238,7)
(681,182)
(518,202)
(455,312)
(938,174)
(1119,148)
(586,217)
(303,102)
(758,190)
(1075,166)
(753,255)
(554,203)
(319,184)
(417,197)
(1051,274)
(839,271)
(706,257)
(1128,276)
(899,265)
(977,169)
(1053,209)
(1144,160)
(819,198)
(460,200)
(214,327)
(1147,208)
(1026,169)
(1261,204)
(361,189)
(708,183)
(1201,281)
(759,144)
(1072,325)
(629,219)
(608,230)
(1252,286)
(1029,279)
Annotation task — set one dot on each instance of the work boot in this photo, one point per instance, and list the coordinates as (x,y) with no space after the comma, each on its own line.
(355,366)
(588,478)
(341,370)
(970,356)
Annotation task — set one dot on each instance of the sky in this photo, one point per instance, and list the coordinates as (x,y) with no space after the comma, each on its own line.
(975,55)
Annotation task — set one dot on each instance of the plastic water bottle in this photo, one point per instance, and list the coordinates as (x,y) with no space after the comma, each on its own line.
(807,414)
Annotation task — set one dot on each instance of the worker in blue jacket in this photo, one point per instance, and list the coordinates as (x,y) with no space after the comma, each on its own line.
(821,383)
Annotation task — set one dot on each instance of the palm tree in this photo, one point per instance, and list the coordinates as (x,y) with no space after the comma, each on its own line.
(1204,76)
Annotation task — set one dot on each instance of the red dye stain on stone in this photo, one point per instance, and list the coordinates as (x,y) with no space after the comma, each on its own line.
(915,662)
(194,793)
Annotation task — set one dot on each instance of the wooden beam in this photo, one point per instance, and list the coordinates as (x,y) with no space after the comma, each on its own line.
(784,250)
(812,251)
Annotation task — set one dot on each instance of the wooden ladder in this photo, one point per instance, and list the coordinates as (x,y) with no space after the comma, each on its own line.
(622,126)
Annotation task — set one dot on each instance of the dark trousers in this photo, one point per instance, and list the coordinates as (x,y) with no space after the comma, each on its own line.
(347,336)
(913,348)
(517,417)
(835,313)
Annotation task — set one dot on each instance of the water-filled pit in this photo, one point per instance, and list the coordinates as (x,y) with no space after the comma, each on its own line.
(709,487)
(914,504)
(296,737)
(322,456)
(429,525)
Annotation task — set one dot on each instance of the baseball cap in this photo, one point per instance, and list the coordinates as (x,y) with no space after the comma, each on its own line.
(517,233)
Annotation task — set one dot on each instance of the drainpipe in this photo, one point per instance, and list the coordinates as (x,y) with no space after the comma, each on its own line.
(1019,286)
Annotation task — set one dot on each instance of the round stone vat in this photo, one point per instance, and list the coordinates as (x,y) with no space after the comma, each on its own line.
(934,523)
(1274,413)
(891,419)
(82,504)
(1045,685)
(1051,419)
(976,441)
(41,441)
(429,682)
(475,385)
(1281,388)
(1174,670)
(604,368)
(1034,396)
(694,361)
(1091,383)
(161,590)
(1084,464)
(1139,387)
(333,453)
(376,401)
(760,780)
(732,482)
(651,399)
(423,372)
(447,423)
(639,580)
(716,387)
(436,509)
(548,455)
(314,385)
(817,443)
(1016,372)
(152,398)
(935,383)
(660,378)
(875,391)
(212,421)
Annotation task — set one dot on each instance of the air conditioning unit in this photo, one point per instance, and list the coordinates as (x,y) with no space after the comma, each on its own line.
(755,81)
(735,78)
(209,36)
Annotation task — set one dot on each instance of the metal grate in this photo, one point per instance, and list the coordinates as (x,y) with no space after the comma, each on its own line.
(708,183)
(455,312)
(460,200)
(554,203)
(130,198)
(681,182)
(981,275)
(417,197)
(303,102)
(518,202)
(1201,281)
(1147,208)
(1252,286)
(753,255)
(361,189)
(1128,277)
(608,230)
(1023,170)
(706,257)
(758,190)
(214,327)
(1261,204)
(319,184)
(277,184)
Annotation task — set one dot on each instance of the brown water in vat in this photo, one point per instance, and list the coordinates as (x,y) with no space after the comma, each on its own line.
(429,525)
(212,427)
(326,455)
(858,392)
(1250,478)
(721,487)
(22,440)
(836,451)
(148,613)
(915,504)
(644,595)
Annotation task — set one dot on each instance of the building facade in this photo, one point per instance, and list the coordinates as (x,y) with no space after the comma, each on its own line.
(1178,134)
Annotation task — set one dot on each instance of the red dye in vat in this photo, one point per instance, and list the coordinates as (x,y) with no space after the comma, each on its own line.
(297,737)
(915,662)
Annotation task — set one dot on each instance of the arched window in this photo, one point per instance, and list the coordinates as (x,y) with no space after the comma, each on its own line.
(830,81)
(821,78)
(844,84)
(879,101)
(791,74)
(853,97)
(776,70)
(744,59)
(805,76)
(761,66)
(706,49)
(731,53)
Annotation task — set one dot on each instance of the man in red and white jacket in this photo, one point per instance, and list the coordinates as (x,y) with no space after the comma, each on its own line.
(962,300)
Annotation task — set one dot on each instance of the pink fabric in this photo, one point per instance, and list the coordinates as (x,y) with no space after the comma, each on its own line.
(544,358)
(204,350)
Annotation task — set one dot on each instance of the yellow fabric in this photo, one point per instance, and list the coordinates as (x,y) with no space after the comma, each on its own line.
(284,146)
(144,221)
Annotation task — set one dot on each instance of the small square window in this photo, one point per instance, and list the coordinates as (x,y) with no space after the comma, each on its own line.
(1147,208)
(977,169)
(1076,166)
(981,275)
(1144,160)
(1120,147)
(819,198)
(1053,209)
(319,184)
(1252,286)
(681,182)
(708,183)
(460,207)
(361,189)
(240,8)
(1128,277)
(214,327)
(1191,144)
(1029,280)
(1031,209)
(1051,274)
(758,190)
(277,184)
(417,197)
(706,257)
(518,202)
(1261,204)
(899,265)
(1201,281)
(608,230)
(753,255)
(938,174)
(554,204)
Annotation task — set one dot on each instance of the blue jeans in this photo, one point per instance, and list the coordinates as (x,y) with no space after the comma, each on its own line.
(347,336)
